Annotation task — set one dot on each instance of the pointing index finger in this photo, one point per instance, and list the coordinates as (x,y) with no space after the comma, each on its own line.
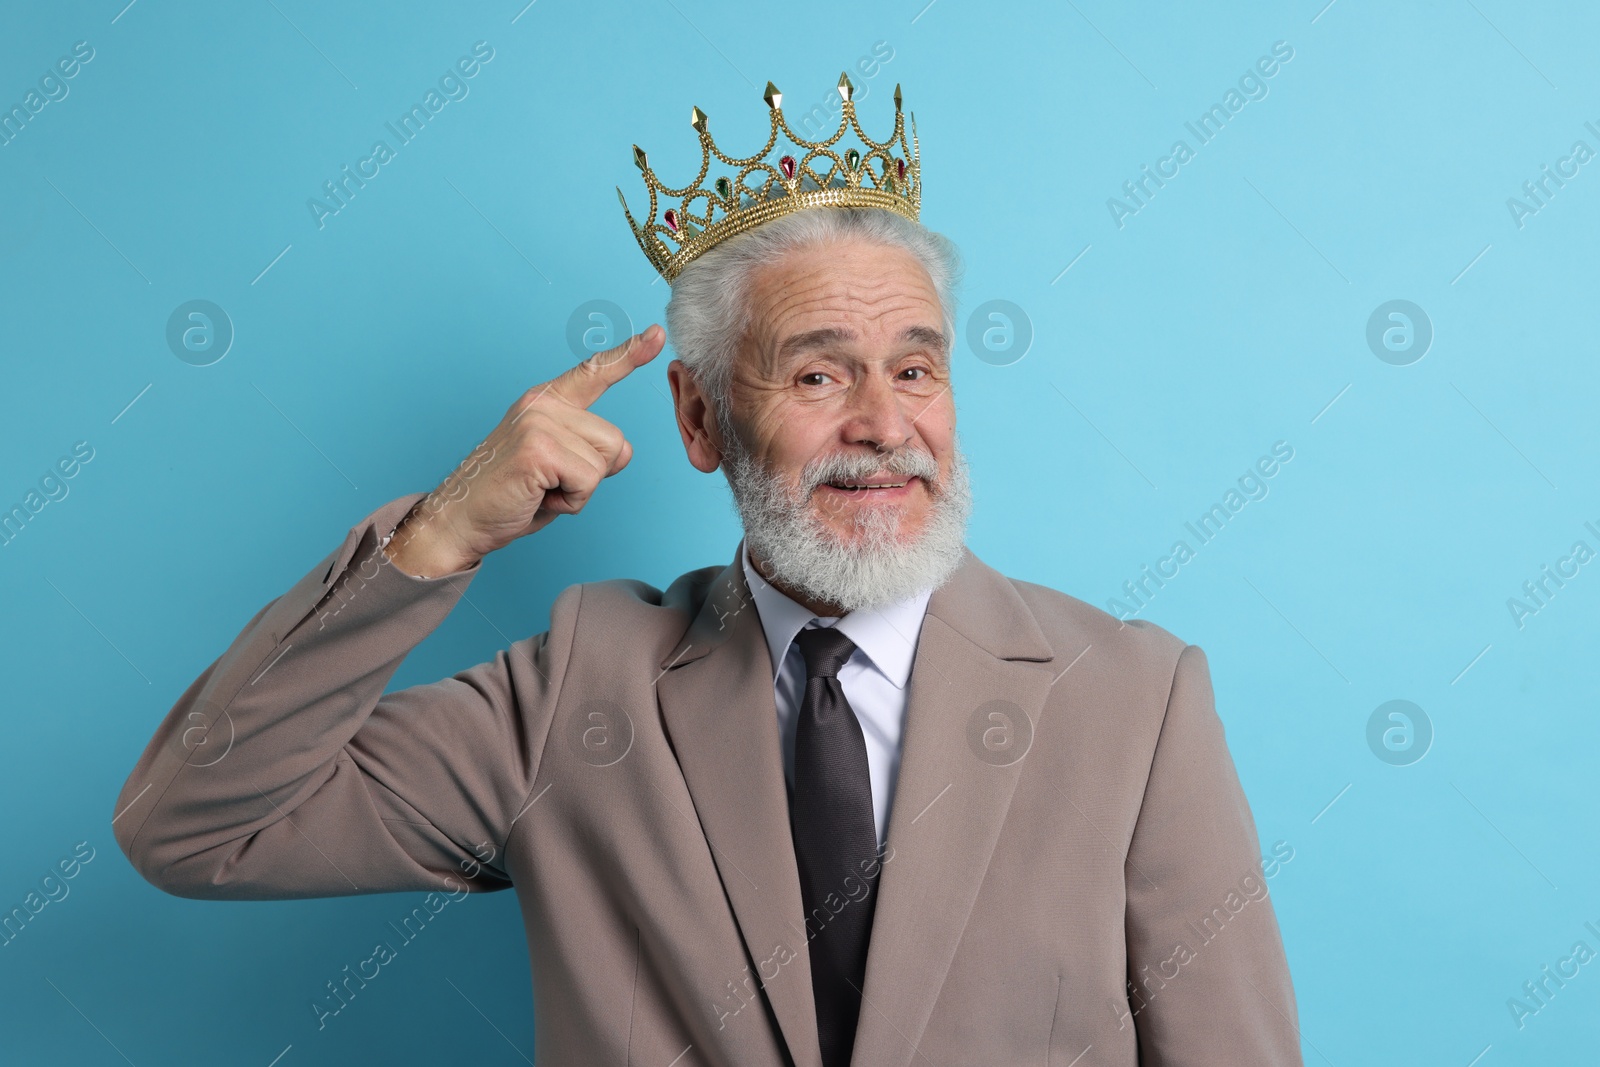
(583,384)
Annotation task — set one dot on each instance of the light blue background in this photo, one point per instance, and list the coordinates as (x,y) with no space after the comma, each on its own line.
(1228,314)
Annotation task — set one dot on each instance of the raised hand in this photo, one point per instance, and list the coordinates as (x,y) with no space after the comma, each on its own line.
(544,459)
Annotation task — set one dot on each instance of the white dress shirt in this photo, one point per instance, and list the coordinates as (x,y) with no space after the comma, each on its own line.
(873,678)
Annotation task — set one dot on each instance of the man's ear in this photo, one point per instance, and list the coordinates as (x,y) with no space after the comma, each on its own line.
(697,422)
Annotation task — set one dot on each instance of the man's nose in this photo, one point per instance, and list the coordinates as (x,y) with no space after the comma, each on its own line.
(878,415)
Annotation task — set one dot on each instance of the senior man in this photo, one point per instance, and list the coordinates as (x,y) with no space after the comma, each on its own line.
(852,797)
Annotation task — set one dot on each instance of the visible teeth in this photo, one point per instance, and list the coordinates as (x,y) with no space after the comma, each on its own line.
(852,485)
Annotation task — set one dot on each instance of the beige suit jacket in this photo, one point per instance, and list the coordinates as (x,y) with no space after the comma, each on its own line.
(1067,822)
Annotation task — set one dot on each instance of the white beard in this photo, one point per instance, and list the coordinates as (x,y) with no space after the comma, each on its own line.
(874,568)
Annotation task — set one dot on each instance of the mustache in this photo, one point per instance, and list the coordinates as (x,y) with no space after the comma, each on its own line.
(912,462)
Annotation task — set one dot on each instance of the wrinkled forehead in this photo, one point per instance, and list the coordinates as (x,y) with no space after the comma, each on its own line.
(848,298)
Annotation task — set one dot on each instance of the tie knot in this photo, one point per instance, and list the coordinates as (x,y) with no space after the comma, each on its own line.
(825,650)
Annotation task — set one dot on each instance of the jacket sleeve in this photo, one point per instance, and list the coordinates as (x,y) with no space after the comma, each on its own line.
(285,771)
(1208,982)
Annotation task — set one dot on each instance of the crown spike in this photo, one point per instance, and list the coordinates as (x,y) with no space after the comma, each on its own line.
(846,90)
(639,158)
(773,97)
(697,119)
(629,214)
(897,96)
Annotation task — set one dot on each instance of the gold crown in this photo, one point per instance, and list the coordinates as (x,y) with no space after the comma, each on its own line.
(877,179)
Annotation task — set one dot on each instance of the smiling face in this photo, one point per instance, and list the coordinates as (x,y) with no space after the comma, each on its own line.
(841,406)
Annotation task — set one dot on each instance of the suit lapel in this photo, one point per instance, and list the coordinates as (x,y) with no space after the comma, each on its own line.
(717,704)
(975,685)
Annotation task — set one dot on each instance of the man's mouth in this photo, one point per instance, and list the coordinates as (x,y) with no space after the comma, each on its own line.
(876,486)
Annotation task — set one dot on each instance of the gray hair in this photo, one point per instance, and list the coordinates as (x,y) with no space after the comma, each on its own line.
(709,314)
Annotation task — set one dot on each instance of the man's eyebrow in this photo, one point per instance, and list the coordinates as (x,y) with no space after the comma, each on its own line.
(818,338)
(925,335)
(825,336)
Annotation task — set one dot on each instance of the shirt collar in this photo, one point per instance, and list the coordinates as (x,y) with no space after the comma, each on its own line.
(887,635)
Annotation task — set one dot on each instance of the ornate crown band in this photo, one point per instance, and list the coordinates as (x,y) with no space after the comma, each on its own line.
(704,216)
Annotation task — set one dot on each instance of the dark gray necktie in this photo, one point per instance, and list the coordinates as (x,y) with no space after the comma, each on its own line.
(835,841)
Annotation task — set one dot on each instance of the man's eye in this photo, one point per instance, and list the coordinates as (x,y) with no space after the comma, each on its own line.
(924,371)
(813,374)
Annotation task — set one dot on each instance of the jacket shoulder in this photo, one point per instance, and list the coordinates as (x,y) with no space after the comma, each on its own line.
(1070,624)
(1130,669)
(630,596)
(629,613)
